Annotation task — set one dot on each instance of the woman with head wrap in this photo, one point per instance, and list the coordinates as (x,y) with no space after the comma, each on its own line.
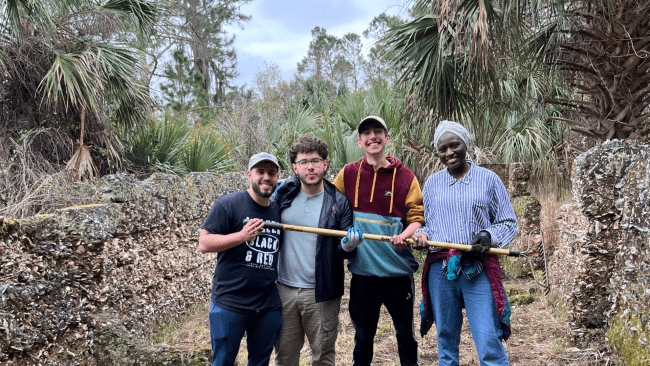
(465,204)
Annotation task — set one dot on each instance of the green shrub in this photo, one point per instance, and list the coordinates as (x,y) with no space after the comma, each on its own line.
(205,151)
(171,144)
(158,143)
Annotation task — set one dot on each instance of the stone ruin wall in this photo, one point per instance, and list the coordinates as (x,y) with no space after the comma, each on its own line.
(122,266)
(601,267)
(73,282)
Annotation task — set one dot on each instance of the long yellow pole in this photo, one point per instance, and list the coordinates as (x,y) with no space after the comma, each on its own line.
(341,233)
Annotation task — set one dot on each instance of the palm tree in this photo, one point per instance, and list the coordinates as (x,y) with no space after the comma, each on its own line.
(604,52)
(447,54)
(482,66)
(84,70)
(455,56)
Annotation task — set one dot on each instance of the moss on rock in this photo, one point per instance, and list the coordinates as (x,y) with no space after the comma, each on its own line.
(628,336)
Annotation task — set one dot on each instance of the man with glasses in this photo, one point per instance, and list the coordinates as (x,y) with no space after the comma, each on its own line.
(244,295)
(310,272)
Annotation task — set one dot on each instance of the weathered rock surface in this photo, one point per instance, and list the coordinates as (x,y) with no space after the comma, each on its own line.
(131,261)
(602,266)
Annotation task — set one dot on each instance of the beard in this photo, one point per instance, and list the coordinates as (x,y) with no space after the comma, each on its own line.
(316,183)
(266,194)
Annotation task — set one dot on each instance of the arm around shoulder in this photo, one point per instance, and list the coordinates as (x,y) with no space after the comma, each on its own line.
(414,205)
(338,182)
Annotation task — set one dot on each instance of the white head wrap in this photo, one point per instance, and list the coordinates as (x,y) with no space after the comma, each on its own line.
(455,128)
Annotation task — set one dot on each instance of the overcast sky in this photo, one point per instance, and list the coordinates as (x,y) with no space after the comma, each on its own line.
(280,30)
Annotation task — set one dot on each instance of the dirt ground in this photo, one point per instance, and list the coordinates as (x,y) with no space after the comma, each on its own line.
(538,336)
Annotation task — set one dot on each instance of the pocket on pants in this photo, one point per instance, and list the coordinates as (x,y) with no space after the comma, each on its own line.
(330,311)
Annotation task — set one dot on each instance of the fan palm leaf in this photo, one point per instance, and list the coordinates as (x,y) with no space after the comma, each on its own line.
(93,68)
(38,12)
(128,95)
(482,63)
(351,108)
(74,81)
(387,102)
(81,166)
(298,123)
(526,139)
(432,73)
(341,142)
(159,142)
(206,151)
(79,78)
(143,14)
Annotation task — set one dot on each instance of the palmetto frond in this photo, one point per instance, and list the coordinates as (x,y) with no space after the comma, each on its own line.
(352,108)
(206,151)
(90,66)
(73,80)
(458,47)
(127,93)
(388,102)
(341,140)
(526,138)
(38,12)
(143,14)
(483,63)
(88,69)
(158,142)
(297,123)
(99,74)
(431,71)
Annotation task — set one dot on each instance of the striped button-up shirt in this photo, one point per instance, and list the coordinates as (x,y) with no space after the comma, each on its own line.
(455,210)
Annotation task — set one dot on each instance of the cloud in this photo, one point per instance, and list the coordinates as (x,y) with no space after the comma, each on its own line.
(376,7)
(265,39)
(279,31)
(273,42)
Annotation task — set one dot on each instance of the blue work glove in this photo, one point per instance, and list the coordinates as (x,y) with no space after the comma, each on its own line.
(480,244)
(280,189)
(352,240)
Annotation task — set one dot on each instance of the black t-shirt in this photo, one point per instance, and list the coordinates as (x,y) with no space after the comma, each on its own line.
(244,279)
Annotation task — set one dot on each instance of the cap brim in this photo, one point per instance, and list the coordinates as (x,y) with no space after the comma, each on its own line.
(368,121)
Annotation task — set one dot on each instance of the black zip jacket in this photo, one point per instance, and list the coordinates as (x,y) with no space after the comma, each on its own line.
(336,214)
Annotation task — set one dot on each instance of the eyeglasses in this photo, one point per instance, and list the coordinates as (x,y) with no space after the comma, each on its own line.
(316,162)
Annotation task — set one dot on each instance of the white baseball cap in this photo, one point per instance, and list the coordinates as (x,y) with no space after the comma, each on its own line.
(260,157)
(370,119)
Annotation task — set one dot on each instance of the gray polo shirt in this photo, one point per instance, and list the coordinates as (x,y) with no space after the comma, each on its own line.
(297,261)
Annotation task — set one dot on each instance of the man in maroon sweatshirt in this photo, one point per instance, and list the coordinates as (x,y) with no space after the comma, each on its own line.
(386,200)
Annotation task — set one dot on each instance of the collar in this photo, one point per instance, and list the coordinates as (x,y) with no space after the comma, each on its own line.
(466,179)
(321,193)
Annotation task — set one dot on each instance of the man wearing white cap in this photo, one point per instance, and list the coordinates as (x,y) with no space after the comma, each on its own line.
(244,295)
(386,200)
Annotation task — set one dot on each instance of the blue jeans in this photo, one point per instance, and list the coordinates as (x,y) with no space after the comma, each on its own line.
(227,329)
(447,300)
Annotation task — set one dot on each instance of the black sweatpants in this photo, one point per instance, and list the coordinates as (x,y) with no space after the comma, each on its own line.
(367,294)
